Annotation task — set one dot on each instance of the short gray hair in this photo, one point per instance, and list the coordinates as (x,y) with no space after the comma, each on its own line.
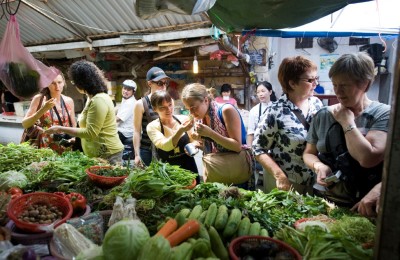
(357,66)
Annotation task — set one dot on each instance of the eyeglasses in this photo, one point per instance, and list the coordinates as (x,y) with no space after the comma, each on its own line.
(161,83)
(312,80)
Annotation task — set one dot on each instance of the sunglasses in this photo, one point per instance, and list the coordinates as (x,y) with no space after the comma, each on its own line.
(161,83)
(312,80)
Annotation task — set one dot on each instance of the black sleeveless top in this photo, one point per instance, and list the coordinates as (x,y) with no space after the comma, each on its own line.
(145,142)
(178,156)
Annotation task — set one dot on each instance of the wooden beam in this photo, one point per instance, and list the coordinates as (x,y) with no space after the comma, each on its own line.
(194,43)
(166,36)
(60,47)
(162,55)
(170,43)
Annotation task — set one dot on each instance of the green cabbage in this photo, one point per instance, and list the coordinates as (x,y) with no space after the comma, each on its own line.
(124,239)
(12,179)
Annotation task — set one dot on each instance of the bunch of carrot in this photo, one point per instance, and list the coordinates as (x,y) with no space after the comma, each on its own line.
(176,236)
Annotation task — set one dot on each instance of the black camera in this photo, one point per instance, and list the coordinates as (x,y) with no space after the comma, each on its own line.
(59,137)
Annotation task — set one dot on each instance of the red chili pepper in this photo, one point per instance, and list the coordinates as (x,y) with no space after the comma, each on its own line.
(78,201)
(60,193)
(15,190)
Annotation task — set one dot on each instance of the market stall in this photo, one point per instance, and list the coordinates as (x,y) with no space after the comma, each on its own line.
(165,210)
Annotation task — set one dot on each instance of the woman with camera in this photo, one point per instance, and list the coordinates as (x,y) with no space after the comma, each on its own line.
(346,141)
(49,108)
(97,123)
(170,133)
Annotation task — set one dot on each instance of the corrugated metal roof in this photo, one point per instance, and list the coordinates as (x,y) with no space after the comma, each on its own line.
(59,21)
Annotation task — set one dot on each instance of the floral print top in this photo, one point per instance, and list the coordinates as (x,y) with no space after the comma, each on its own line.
(282,135)
(49,119)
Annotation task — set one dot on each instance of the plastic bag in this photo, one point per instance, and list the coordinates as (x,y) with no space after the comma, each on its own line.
(21,73)
(91,226)
(123,210)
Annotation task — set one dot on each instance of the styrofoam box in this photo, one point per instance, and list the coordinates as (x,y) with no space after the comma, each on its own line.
(21,107)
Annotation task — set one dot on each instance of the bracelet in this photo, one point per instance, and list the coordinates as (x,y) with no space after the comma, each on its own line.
(349,128)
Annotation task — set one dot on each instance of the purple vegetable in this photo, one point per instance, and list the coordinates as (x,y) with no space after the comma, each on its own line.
(29,254)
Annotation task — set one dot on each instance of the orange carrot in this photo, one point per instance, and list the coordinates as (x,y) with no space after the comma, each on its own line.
(187,230)
(168,228)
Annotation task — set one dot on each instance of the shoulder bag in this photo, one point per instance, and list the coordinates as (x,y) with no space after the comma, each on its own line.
(32,133)
(229,167)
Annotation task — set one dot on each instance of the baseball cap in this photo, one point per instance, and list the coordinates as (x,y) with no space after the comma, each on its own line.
(129,84)
(155,74)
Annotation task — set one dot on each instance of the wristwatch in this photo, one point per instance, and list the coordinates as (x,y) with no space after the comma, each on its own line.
(349,128)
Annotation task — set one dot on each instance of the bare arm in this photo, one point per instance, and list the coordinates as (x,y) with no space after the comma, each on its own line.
(138,111)
(32,115)
(250,139)
(369,150)
(312,161)
(272,168)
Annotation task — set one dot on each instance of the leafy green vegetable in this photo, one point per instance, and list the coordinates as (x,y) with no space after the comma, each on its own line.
(359,229)
(12,179)
(24,81)
(18,156)
(124,239)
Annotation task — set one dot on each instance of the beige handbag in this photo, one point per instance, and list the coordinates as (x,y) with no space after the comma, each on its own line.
(228,167)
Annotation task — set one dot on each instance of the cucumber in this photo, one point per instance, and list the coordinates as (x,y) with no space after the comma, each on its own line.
(264,232)
(203,216)
(244,227)
(211,215)
(255,229)
(222,217)
(217,245)
(203,233)
(233,223)
(181,217)
(196,212)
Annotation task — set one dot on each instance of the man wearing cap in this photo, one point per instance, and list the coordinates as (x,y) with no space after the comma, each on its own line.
(144,114)
(125,111)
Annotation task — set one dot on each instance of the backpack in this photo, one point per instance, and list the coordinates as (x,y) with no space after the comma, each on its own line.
(244,133)
(355,181)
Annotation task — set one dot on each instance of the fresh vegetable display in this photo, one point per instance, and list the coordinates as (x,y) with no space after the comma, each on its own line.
(15,192)
(78,202)
(12,179)
(186,224)
(17,156)
(40,214)
(124,239)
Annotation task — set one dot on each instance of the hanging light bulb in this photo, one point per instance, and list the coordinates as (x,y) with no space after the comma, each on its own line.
(195,65)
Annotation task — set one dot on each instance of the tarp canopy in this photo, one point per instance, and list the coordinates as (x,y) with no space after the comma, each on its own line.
(362,19)
(237,15)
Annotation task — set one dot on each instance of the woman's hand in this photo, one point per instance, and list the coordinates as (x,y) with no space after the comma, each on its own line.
(49,104)
(342,114)
(322,172)
(203,130)
(186,126)
(282,182)
(53,130)
(369,205)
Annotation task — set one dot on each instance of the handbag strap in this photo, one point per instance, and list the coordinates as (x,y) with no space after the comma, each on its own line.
(58,115)
(241,121)
(302,119)
(39,106)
